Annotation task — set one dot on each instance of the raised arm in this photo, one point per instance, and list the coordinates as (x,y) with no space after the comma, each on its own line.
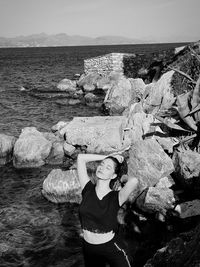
(129,187)
(82,159)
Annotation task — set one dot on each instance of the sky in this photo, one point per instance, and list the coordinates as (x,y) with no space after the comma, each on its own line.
(149,20)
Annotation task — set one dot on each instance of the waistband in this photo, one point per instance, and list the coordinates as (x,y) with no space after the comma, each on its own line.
(114,239)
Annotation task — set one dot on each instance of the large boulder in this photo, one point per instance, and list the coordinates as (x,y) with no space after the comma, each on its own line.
(67,85)
(148,162)
(159,95)
(156,199)
(6,148)
(99,134)
(62,186)
(118,97)
(31,149)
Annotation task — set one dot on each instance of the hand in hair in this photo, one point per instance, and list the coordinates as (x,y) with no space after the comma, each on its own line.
(116,155)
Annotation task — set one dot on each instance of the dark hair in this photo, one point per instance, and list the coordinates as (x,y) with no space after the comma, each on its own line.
(119,168)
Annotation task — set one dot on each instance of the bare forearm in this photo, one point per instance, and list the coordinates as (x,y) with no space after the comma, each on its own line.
(90,157)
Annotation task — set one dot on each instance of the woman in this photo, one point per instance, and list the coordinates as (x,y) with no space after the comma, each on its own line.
(98,211)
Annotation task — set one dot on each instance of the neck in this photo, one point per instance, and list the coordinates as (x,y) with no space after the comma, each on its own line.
(103,185)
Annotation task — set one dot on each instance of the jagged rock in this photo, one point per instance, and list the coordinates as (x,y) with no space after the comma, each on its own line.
(99,134)
(148,162)
(182,251)
(156,199)
(165,182)
(159,95)
(31,149)
(138,88)
(67,85)
(167,143)
(59,126)
(118,97)
(62,186)
(68,149)
(188,209)
(6,148)
(187,167)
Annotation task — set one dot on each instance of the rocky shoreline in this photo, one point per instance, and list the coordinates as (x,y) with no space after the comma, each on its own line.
(156,126)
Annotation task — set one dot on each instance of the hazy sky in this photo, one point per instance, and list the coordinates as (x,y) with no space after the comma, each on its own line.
(159,20)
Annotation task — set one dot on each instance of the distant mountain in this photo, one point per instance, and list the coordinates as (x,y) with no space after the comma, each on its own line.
(62,39)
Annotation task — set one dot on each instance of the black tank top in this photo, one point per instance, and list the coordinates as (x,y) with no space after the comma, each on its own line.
(99,216)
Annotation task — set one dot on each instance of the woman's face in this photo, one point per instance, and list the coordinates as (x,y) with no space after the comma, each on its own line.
(106,170)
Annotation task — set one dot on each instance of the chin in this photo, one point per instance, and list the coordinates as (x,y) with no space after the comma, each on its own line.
(100,176)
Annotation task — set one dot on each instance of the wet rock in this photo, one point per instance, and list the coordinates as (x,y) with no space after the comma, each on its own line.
(6,148)
(99,134)
(62,186)
(148,162)
(31,149)
(159,95)
(118,97)
(188,209)
(187,167)
(67,85)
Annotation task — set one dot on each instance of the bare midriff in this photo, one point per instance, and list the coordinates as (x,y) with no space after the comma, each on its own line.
(97,238)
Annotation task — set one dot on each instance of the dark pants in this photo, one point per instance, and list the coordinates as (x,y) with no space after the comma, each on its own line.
(113,252)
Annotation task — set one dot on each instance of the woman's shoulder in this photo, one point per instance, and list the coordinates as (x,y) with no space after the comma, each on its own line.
(88,186)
